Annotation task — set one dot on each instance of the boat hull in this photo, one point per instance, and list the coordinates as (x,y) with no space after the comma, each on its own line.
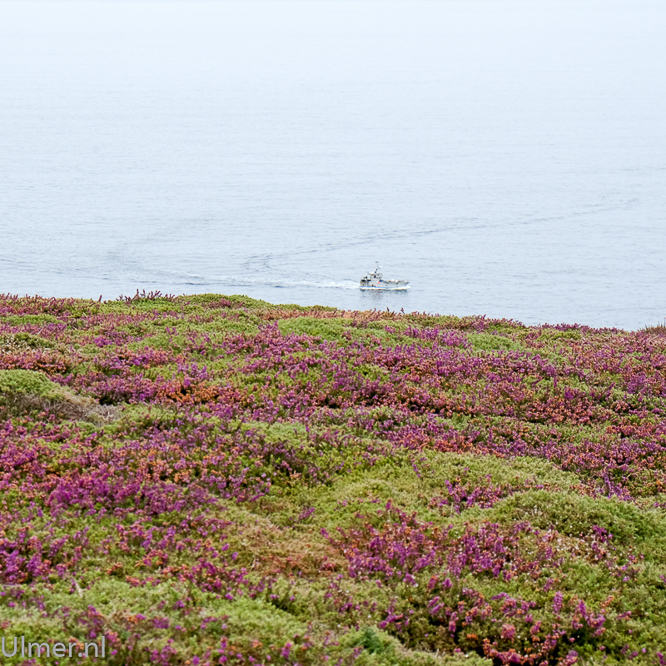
(386,285)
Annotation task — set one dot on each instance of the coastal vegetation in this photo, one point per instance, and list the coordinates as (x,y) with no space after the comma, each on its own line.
(213,479)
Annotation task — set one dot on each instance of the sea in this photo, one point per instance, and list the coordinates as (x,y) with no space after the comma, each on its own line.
(506,157)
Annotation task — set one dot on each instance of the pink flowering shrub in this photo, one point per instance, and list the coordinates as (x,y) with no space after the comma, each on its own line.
(215,480)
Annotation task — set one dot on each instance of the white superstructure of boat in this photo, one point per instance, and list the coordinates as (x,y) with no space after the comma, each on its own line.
(376,281)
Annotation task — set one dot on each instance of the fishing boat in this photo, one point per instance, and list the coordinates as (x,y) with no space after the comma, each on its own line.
(375,281)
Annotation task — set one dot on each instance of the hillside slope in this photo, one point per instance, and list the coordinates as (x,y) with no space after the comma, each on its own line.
(214,479)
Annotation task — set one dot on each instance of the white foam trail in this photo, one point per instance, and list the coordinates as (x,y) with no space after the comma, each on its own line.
(230,281)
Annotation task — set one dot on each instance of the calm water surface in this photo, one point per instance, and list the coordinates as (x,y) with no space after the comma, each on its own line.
(508,158)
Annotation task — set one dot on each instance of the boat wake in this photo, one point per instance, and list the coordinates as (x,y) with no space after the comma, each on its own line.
(276,283)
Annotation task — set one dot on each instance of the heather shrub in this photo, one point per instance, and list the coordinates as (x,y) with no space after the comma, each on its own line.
(213,479)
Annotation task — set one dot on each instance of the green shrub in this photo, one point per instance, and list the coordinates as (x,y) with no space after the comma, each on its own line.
(22,320)
(321,328)
(491,342)
(28,382)
(28,391)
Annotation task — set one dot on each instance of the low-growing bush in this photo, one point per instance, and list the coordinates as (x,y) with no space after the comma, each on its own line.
(214,479)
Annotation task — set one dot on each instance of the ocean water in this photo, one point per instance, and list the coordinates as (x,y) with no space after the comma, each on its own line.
(508,158)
